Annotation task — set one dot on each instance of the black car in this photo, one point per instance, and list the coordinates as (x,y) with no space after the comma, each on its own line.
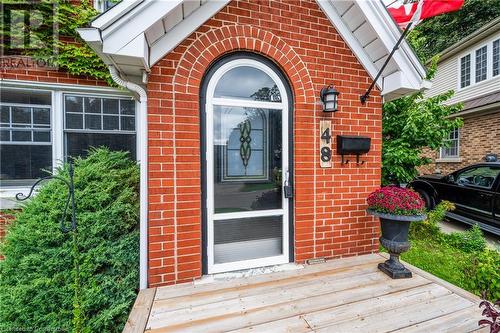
(475,191)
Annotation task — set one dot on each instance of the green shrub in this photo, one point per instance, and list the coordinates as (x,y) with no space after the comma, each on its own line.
(430,226)
(437,215)
(483,275)
(460,258)
(468,241)
(37,280)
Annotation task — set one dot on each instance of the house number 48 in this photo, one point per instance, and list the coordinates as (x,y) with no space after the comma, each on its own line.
(325,143)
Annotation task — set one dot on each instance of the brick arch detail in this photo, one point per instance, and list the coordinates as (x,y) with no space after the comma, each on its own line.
(187,77)
(213,44)
(329,218)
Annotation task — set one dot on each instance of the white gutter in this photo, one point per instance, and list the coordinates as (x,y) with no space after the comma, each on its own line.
(142,139)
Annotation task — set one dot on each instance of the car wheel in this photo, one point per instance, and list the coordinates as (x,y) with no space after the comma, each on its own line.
(428,200)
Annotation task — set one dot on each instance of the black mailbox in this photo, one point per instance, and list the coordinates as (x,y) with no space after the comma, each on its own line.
(352,145)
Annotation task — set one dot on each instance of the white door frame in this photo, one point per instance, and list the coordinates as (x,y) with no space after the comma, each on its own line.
(284,211)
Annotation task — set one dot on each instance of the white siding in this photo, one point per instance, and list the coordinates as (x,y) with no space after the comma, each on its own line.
(447,75)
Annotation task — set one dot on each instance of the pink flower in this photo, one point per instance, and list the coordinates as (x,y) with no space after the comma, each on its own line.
(396,200)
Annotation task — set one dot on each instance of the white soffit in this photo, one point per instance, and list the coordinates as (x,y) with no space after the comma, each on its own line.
(371,33)
(135,34)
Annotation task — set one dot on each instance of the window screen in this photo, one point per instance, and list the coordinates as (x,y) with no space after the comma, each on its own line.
(248,238)
(92,121)
(481,64)
(496,57)
(465,71)
(451,149)
(25,136)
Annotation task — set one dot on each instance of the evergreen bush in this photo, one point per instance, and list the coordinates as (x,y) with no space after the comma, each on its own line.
(37,278)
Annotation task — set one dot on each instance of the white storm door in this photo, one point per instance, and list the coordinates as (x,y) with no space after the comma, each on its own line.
(247,164)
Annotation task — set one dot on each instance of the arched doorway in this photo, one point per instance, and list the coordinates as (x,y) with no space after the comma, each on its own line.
(246,103)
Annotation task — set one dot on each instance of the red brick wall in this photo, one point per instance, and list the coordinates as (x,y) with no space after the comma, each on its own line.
(4,221)
(40,74)
(26,70)
(3,224)
(329,204)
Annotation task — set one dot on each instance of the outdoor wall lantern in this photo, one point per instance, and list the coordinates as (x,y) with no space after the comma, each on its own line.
(329,96)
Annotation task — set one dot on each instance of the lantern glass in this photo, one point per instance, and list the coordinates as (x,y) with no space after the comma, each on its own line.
(331,105)
(329,98)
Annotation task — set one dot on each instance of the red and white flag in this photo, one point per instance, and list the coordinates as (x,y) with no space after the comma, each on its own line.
(406,11)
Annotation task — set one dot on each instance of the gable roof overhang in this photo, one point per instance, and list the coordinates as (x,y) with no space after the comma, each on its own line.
(135,34)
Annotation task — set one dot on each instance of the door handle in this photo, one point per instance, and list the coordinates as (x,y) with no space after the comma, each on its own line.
(483,195)
(287,187)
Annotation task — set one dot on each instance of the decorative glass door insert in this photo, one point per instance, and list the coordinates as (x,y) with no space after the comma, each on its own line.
(247,159)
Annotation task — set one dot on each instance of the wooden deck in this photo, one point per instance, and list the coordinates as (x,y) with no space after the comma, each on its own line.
(346,295)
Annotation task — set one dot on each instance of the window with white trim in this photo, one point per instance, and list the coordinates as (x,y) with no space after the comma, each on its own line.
(452,147)
(481,63)
(496,57)
(92,121)
(103,5)
(465,71)
(38,128)
(25,135)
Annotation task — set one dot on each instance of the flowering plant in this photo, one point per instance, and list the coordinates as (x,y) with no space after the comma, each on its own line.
(397,201)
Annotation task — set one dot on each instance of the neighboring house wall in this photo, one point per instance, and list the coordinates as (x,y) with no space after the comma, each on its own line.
(448,72)
(329,204)
(481,113)
(480,135)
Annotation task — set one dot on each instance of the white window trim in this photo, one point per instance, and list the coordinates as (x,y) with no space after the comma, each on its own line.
(12,126)
(57,118)
(99,5)
(471,71)
(489,65)
(488,62)
(491,55)
(450,158)
(211,216)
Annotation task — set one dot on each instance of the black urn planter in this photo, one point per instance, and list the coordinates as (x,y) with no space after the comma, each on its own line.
(395,240)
